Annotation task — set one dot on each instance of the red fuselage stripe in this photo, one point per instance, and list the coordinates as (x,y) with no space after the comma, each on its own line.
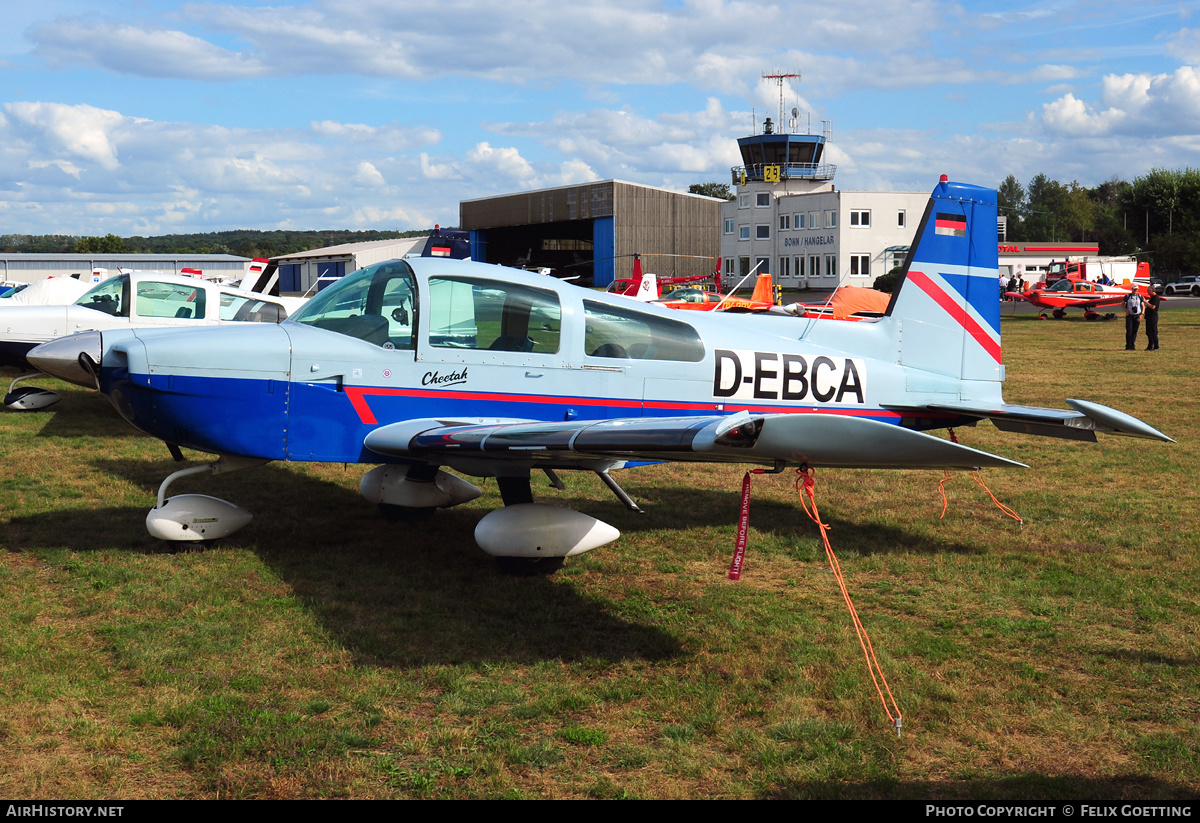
(358,398)
(951,307)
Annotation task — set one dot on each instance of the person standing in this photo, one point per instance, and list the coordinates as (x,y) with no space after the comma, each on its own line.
(1152,303)
(1133,318)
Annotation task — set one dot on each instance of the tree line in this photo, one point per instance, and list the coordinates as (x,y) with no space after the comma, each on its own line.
(240,242)
(1156,217)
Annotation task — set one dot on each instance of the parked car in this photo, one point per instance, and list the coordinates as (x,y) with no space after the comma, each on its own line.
(1189,284)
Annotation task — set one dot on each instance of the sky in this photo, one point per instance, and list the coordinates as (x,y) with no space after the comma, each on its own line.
(159,117)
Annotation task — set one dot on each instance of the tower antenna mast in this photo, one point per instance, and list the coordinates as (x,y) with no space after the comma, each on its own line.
(780,77)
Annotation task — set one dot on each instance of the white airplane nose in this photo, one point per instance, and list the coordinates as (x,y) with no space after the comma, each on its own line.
(64,358)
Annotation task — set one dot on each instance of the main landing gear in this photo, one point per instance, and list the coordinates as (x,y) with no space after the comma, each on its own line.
(194,517)
(534,538)
(525,537)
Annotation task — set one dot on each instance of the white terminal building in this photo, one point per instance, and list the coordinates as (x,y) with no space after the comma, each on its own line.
(790,220)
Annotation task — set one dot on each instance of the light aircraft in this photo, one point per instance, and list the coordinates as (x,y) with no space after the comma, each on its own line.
(692,299)
(649,286)
(424,365)
(51,291)
(1073,291)
(128,300)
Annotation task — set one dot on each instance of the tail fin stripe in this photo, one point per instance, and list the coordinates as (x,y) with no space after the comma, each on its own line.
(952,308)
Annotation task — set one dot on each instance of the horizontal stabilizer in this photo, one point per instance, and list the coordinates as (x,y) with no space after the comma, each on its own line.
(1080,424)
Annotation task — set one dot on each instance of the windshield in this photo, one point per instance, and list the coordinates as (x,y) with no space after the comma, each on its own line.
(686,295)
(376,304)
(110,297)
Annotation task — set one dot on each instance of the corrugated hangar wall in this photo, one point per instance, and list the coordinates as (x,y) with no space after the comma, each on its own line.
(606,222)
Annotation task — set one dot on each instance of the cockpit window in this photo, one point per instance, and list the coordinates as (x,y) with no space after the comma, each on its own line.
(622,333)
(685,296)
(110,297)
(159,299)
(491,314)
(242,309)
(376,304)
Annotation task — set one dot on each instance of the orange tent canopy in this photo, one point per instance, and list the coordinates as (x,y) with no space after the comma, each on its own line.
(849,299)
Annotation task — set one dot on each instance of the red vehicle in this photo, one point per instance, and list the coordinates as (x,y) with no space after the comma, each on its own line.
(632,286)
(763,299)
(1071,290)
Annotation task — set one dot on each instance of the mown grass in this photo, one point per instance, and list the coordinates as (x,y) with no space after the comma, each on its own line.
(324,652)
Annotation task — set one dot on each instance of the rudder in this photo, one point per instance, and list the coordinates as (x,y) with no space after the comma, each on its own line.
(948,299)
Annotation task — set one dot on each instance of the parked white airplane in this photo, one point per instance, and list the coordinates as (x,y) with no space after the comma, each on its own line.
(126,301)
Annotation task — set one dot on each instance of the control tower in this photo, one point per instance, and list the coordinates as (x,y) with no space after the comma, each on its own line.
(772,157)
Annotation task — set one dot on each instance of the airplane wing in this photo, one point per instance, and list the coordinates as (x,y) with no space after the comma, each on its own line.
(1080,424)
(818,440)
(1110,300)
(1065,300)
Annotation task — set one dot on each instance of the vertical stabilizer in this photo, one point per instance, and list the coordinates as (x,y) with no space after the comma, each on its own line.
(764,289)
(647,288)
(949,299)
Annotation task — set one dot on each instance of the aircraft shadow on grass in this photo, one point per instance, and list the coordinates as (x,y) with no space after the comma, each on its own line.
(321,512)
(420,591)
(83,413)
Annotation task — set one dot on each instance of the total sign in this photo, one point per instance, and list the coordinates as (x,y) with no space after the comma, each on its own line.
(764,375)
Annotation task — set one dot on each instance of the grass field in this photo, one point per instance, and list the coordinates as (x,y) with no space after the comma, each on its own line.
(324,652)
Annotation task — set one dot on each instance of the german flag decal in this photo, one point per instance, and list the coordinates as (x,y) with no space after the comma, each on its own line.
(954,225)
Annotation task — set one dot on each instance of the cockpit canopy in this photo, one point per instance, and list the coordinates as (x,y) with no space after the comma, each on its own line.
(120,296)
(380,304)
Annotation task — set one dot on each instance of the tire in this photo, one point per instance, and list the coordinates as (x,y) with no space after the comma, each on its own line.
(529,566)
(404,514)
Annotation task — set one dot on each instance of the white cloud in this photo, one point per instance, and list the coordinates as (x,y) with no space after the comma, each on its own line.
(503,162)
(132,175)
(438,171)
(522,42)
(65,166)
(392,136)
(127,49)
(85,132)
(569,173)
(1185,45)
(368,175)
(673,149)
(1142,104)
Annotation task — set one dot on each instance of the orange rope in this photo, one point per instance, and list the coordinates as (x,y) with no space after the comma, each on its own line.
(805,476)
(978,479)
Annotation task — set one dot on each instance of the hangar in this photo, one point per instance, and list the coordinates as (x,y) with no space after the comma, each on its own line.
(30,268)
(299,272)
(594,229)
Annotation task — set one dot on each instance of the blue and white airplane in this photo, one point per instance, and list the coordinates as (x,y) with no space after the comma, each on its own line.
(423,365)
